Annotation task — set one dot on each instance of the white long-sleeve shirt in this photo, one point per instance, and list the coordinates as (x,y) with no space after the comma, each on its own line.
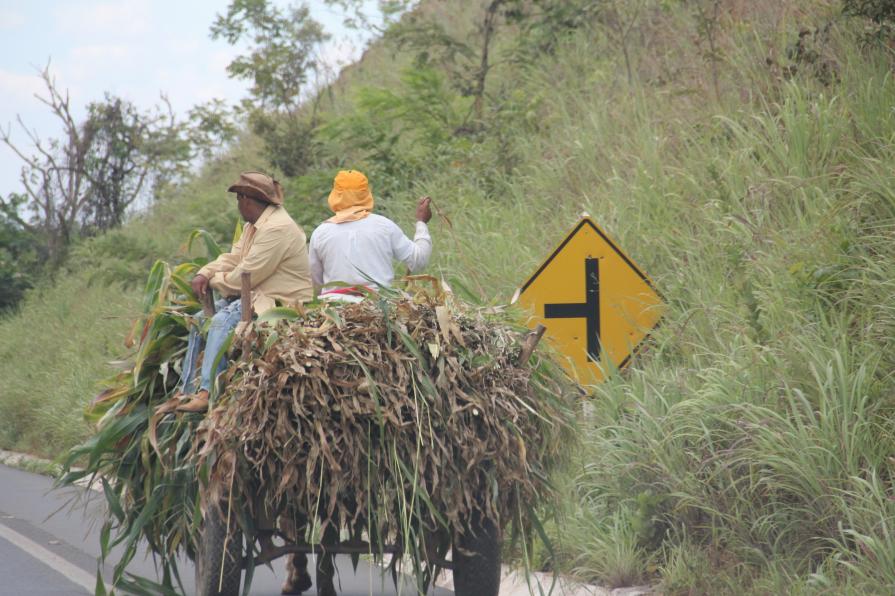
(354,251)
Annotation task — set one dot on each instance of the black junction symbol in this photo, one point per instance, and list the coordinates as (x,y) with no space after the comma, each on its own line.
(588,310)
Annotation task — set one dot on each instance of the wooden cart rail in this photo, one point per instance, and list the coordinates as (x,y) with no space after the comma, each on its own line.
(343,548)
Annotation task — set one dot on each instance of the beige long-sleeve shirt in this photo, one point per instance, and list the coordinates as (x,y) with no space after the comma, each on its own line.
(274,251)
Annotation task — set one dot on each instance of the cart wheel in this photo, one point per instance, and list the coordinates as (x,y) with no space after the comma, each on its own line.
(218,558)
(477,573)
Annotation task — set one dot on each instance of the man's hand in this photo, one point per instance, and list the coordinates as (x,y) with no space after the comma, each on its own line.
(200,285)
(423,212)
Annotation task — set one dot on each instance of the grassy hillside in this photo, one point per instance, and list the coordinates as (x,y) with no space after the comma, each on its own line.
(748,450)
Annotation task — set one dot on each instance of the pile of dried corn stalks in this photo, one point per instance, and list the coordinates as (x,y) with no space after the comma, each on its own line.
(395,419)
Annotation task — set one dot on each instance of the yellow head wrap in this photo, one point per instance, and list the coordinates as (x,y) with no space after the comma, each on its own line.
(350,198)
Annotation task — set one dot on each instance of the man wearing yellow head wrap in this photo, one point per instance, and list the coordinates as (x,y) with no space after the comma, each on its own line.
(357,247)
(350,198)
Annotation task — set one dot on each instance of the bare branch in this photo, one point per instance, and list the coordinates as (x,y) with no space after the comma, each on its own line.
(7,140)
(86,179)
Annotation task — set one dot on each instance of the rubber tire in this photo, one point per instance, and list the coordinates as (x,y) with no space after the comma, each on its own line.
(211,556)
(477,574)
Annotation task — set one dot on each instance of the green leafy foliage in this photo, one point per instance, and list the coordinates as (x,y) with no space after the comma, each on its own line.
(398,131)
(881,17)
(282,65)
(544,23)
(283,50)
(290,141)
(21,257)
(211,127)
(879,11)
(140,458)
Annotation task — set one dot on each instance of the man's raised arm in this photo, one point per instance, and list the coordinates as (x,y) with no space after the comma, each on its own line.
(415,254)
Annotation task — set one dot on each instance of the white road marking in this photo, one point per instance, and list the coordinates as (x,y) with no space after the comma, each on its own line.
(50,559)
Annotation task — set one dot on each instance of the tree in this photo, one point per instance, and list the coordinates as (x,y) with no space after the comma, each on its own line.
(54,178)
(487,32)
(210,127)
(283,52)
(282,62)
(126,152)
(620,19)
(467,61)
(21,256)
(85,181)
(708,21)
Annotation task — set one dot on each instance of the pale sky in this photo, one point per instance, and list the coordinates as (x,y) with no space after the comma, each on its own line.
(131,48)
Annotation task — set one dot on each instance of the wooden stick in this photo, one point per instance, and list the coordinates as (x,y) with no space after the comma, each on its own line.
(245,295)
(531,340)
(207,300)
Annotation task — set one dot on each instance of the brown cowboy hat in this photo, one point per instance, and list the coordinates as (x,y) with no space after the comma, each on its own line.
(259,186)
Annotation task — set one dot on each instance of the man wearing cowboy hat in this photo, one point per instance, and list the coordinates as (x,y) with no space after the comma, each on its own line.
(357,247)
(272,249)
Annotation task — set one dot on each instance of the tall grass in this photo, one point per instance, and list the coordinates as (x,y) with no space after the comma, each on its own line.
(750,449)
(52,355)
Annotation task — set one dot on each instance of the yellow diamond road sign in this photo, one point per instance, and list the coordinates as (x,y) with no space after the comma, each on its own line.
(597,305)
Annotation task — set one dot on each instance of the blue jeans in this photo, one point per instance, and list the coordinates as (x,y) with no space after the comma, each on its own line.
(222,323)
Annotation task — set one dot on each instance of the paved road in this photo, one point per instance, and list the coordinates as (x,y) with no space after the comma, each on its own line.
(50,548)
